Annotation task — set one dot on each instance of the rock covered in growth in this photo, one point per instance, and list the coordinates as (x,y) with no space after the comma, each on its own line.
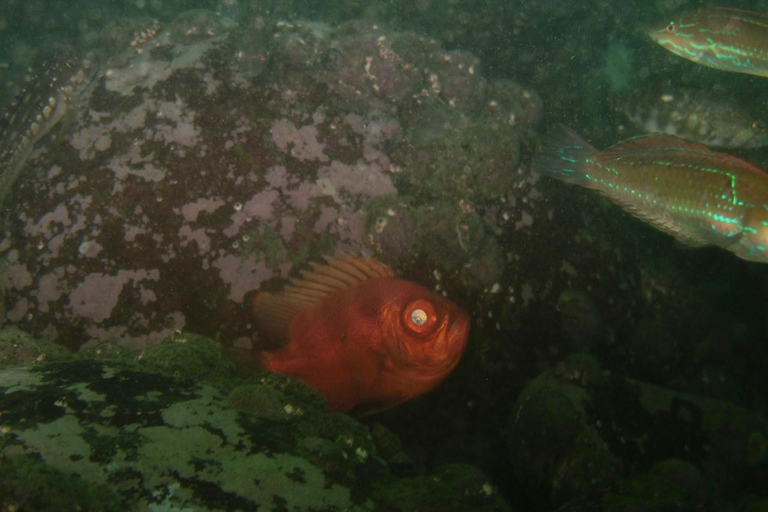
(109,435)
(208,160)
(18,348)
(577,429)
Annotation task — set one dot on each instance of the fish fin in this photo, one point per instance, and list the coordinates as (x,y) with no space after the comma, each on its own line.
(564,155)
(688,240)
(756,18)
(275,311)
(650,144)
(664,224)
(692,152)
(721,239)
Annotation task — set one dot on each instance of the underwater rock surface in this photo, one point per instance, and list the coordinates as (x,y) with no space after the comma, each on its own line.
(117,435)
(208,161)
(577,428)
(205,161)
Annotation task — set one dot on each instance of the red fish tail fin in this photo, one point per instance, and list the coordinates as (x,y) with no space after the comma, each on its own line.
(564,155)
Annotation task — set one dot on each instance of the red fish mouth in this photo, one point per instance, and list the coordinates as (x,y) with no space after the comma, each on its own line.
(460,326)
(458,332)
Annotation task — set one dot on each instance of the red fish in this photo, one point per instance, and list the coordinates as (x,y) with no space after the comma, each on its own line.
(364,339)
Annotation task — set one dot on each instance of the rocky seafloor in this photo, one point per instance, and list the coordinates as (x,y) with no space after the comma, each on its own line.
(171,428)
(607,369)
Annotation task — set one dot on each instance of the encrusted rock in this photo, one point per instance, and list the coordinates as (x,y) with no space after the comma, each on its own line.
(109,435)
(208,160)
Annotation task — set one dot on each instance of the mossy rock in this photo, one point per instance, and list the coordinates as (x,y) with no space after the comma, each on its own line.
(32,486)
(19,348)
(453,488)
(110,351)
(187,356)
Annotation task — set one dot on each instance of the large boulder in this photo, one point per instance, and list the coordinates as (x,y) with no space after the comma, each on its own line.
(206,161)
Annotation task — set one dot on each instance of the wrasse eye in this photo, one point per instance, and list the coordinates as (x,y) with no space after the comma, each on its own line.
(419,317)
(671,28)
(758,127)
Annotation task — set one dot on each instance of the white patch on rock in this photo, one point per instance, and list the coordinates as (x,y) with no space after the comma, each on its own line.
(18,311)
(16,277)
(146,71)
(199,236)
(357,179)
(525,222)
(97,295)
(242,276)
(122,168)
(178,125)
(277,177)
(48,290)
(305,145)
(54,171)
(190,211)
(260,206)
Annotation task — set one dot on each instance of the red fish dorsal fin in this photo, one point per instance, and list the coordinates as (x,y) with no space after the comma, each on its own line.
(275,311)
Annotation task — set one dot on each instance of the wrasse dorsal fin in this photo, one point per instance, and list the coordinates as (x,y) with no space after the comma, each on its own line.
(758,18)
(685,152)
(275,311)
(638,146)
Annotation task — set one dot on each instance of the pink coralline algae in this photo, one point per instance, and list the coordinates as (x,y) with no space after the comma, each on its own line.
(302,141)
(96,296)
(190,211)
(192,174)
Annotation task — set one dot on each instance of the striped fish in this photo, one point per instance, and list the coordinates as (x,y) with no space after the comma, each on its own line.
(698,116)
(699,196)
(42,103)
(719,37)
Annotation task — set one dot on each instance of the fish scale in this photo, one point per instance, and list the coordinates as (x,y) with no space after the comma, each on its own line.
(42,103)
(700,196)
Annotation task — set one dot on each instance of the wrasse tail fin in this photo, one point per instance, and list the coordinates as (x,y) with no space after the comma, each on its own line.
(564,155)
(275,311)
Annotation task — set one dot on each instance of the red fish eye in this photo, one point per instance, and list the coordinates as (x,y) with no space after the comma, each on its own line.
(419,316)
(759,127)
(671,28)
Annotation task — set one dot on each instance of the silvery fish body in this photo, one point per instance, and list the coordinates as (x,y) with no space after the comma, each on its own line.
(43,102)
(697,195)
(698,116)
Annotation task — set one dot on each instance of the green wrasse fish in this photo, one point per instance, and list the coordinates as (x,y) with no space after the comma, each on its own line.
(697,195)
(699,116)
(718,37)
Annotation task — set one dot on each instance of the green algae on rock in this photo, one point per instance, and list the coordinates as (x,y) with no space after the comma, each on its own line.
(187,355)
(158,440)
(30,485)
(18,347)
(149,433)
